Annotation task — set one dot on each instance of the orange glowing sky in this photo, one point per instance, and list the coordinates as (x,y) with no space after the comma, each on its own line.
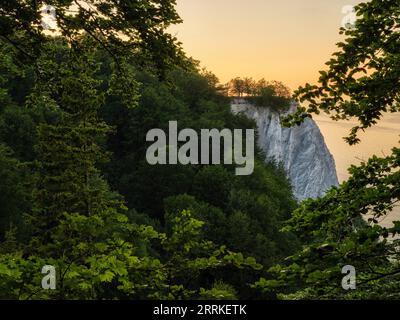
(285,40)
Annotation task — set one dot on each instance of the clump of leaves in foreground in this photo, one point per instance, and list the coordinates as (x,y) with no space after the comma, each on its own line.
(342,229)
(362,80)
(108,265)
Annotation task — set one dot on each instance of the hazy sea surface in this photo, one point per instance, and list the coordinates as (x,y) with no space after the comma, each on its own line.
(377,140)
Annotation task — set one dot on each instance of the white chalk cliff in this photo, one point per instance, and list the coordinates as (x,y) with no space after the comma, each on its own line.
(301,150)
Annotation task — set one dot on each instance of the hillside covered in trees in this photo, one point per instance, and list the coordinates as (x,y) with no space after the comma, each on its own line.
(77,191)
(77,194)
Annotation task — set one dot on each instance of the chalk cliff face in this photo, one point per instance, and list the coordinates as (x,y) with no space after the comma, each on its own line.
(301,150)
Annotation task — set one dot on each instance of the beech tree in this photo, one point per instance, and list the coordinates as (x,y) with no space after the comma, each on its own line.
(120,27)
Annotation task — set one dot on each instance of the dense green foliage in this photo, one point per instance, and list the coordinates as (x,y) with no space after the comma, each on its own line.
(119,27)
(77,191)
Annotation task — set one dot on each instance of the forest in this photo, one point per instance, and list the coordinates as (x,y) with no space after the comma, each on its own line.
(77,193)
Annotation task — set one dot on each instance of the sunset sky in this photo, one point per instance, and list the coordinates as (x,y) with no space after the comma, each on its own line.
(286,40)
